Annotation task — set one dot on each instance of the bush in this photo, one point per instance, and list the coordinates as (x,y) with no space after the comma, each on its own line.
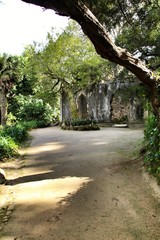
(30,124)
(11,119)
(12,136)
(8,148)
(152,143)
(80,124)
(29,109)
(17,132)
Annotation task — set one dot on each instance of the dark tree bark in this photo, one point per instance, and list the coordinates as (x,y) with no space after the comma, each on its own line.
(103,43)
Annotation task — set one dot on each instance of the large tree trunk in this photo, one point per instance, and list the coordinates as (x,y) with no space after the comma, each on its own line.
(103,42)
(65,107)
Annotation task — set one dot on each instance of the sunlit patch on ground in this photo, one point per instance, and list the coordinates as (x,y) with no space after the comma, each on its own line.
(52,191)
(8,238)
(45,148)
(101,143)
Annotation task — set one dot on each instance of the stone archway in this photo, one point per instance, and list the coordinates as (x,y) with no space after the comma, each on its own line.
(82,106)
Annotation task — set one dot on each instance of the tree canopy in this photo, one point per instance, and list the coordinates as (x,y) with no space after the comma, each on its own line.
(68,61)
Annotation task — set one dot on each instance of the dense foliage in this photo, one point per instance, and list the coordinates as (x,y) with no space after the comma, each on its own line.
(12,136)
(152,144)
(8,148)
(80,124)
(67,61)
(8,78)
(134,25)
(17,132)
(28,108)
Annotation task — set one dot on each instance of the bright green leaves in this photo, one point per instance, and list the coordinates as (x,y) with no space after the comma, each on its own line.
(68,61)
(8,148)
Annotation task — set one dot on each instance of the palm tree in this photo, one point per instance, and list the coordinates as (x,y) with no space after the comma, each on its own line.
(8,68)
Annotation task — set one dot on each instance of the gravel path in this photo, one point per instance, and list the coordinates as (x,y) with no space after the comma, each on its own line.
(79,186)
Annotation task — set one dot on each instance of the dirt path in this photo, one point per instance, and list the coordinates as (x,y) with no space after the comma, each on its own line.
(79,186)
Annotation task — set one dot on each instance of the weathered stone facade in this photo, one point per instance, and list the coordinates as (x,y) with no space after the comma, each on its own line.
(111,101)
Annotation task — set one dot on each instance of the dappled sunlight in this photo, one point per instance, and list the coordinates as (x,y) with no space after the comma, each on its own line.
(51,191)
(101,143)
(45,148)
(43,203)
(8,237)
(38,172)
(70,186)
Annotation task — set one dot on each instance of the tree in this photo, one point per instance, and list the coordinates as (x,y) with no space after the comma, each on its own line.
(142,34)
(68,61)
(26,84)
(103,43)
(8,76)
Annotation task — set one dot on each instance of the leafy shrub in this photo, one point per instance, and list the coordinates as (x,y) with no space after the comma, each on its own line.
(29,109)
(11,119)
(80,124)
(12,136)
(8,148)
(42,123)
(17,132)
(30,124)
(152,142)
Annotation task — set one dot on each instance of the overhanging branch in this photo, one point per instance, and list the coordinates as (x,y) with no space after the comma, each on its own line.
(99,37)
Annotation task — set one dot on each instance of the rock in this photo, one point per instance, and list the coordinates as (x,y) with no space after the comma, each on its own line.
(5,219)
(2,176)
(11,208)
(8,213)
(121,125)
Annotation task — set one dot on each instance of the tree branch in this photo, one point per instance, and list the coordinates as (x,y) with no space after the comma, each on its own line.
(125,16)
(54,76)
(55,85)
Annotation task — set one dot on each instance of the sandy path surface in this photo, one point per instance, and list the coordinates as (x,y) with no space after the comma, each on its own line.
(79,186)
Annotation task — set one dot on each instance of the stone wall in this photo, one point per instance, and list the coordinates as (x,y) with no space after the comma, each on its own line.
(126,106)
(65,111)
(106,102)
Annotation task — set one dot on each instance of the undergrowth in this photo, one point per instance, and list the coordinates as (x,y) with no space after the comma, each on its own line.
(152,145)
(12,137)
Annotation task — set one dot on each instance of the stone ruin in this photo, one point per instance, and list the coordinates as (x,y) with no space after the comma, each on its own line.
(108,102)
